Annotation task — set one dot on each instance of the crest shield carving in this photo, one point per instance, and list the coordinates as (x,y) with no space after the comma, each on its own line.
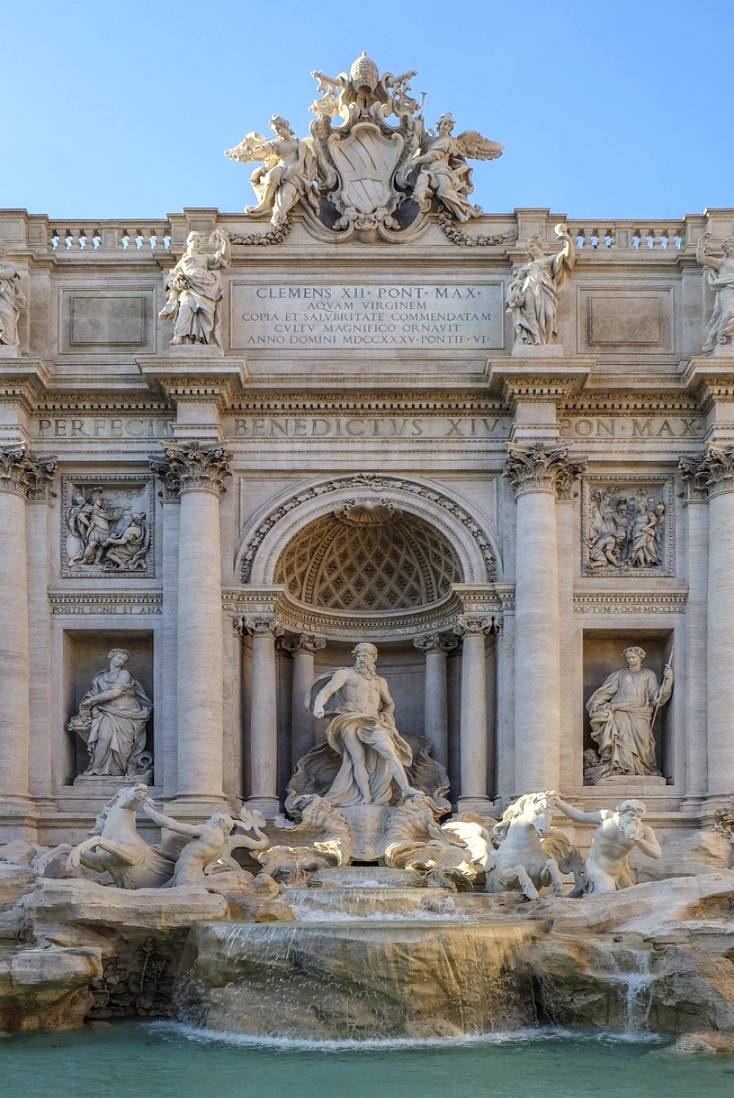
(366,160)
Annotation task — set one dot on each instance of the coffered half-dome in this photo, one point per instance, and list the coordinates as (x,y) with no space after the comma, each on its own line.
(369,557)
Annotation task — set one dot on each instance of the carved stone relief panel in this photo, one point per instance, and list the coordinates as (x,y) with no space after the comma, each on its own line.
(107,526)
(627,526)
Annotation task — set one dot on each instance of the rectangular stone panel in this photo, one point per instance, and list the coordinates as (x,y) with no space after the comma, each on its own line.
(112,320)
(622,319)
(367,316)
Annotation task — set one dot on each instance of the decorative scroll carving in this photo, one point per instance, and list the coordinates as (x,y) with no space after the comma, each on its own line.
(261,625)
(108,526)
(364,175)
(720,328)
(301,642)
(539,469)
(469,625)
(437,642)
(377,483)
(189,466)
(710,474)
(457,235)
(23,474)
(275,235)
(626,527)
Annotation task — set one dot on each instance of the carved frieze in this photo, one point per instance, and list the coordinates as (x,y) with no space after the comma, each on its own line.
(107,526)
(627,526)
(642,603)
(130,602)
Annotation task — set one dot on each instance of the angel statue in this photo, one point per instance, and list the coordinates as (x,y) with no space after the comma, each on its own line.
(532,297)
(443,172)
(288,174)
(195,288)
(720,329)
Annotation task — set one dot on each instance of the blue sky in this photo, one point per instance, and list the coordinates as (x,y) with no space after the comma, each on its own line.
(618,109)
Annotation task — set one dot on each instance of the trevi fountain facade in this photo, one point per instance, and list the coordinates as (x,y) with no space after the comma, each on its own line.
(367,612)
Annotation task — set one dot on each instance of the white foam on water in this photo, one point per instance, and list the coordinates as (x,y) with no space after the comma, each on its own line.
(399,1044)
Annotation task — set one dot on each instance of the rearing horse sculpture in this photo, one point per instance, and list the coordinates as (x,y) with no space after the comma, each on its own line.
(519,863)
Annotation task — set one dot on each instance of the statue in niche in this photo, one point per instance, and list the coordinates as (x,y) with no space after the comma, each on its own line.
(532,297)
(624,532)
(363,732)
(288,174)
(720,328)
(442,169)
(606,867)
(195,289)
(112,721)
(12,300)
(622,712)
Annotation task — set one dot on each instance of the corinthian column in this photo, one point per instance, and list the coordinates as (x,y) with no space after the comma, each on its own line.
(537,474)
(473,746)
(435,698)
(713,474)
(263,714)
(196,475)
(22,478)
(302,647)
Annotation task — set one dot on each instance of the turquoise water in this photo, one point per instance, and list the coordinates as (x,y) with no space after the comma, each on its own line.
(160,1061)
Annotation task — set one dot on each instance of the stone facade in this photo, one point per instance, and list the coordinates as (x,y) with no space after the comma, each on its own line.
(359,452)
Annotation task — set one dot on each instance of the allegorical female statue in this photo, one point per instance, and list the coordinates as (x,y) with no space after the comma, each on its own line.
(12,300)
(532,297)
(622,711)
(720,329)
(112,719)
(195,288)
(363,732)
(288,174)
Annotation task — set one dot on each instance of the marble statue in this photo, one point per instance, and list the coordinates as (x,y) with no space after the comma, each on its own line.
(439,853)
(12,301)
(326,842)
(363,732)
(210,844)
(194,288)
(112,720)
(115,847)
(127,550)
(532,296)
(624,532)
(607,867)
(442,169)
(520,862)
(622,713)
(289,171)
(363,92)
(720,329)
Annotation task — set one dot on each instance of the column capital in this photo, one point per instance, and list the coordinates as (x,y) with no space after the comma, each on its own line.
(539,468)
(261,625)
(474,625)
(24,475)
(301,642)
(709,475)
(436,642)
(189,467)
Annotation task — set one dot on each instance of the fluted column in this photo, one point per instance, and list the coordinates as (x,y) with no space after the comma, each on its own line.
(263,714)
(713,474)
(302,647)
(196,474)
(435,696)
(473,745)
(537,474)
(22,477)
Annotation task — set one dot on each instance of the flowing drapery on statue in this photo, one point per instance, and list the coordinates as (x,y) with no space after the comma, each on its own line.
(112,719)
(621,712)
(363,732)
(194,289)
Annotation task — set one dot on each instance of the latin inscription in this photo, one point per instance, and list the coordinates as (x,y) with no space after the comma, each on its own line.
(103,427)
(633,427)
(365,317)
(367,427)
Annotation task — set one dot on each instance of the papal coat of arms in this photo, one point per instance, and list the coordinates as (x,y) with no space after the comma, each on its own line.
(370,167)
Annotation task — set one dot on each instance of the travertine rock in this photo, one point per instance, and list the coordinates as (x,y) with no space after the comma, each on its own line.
(47,988)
